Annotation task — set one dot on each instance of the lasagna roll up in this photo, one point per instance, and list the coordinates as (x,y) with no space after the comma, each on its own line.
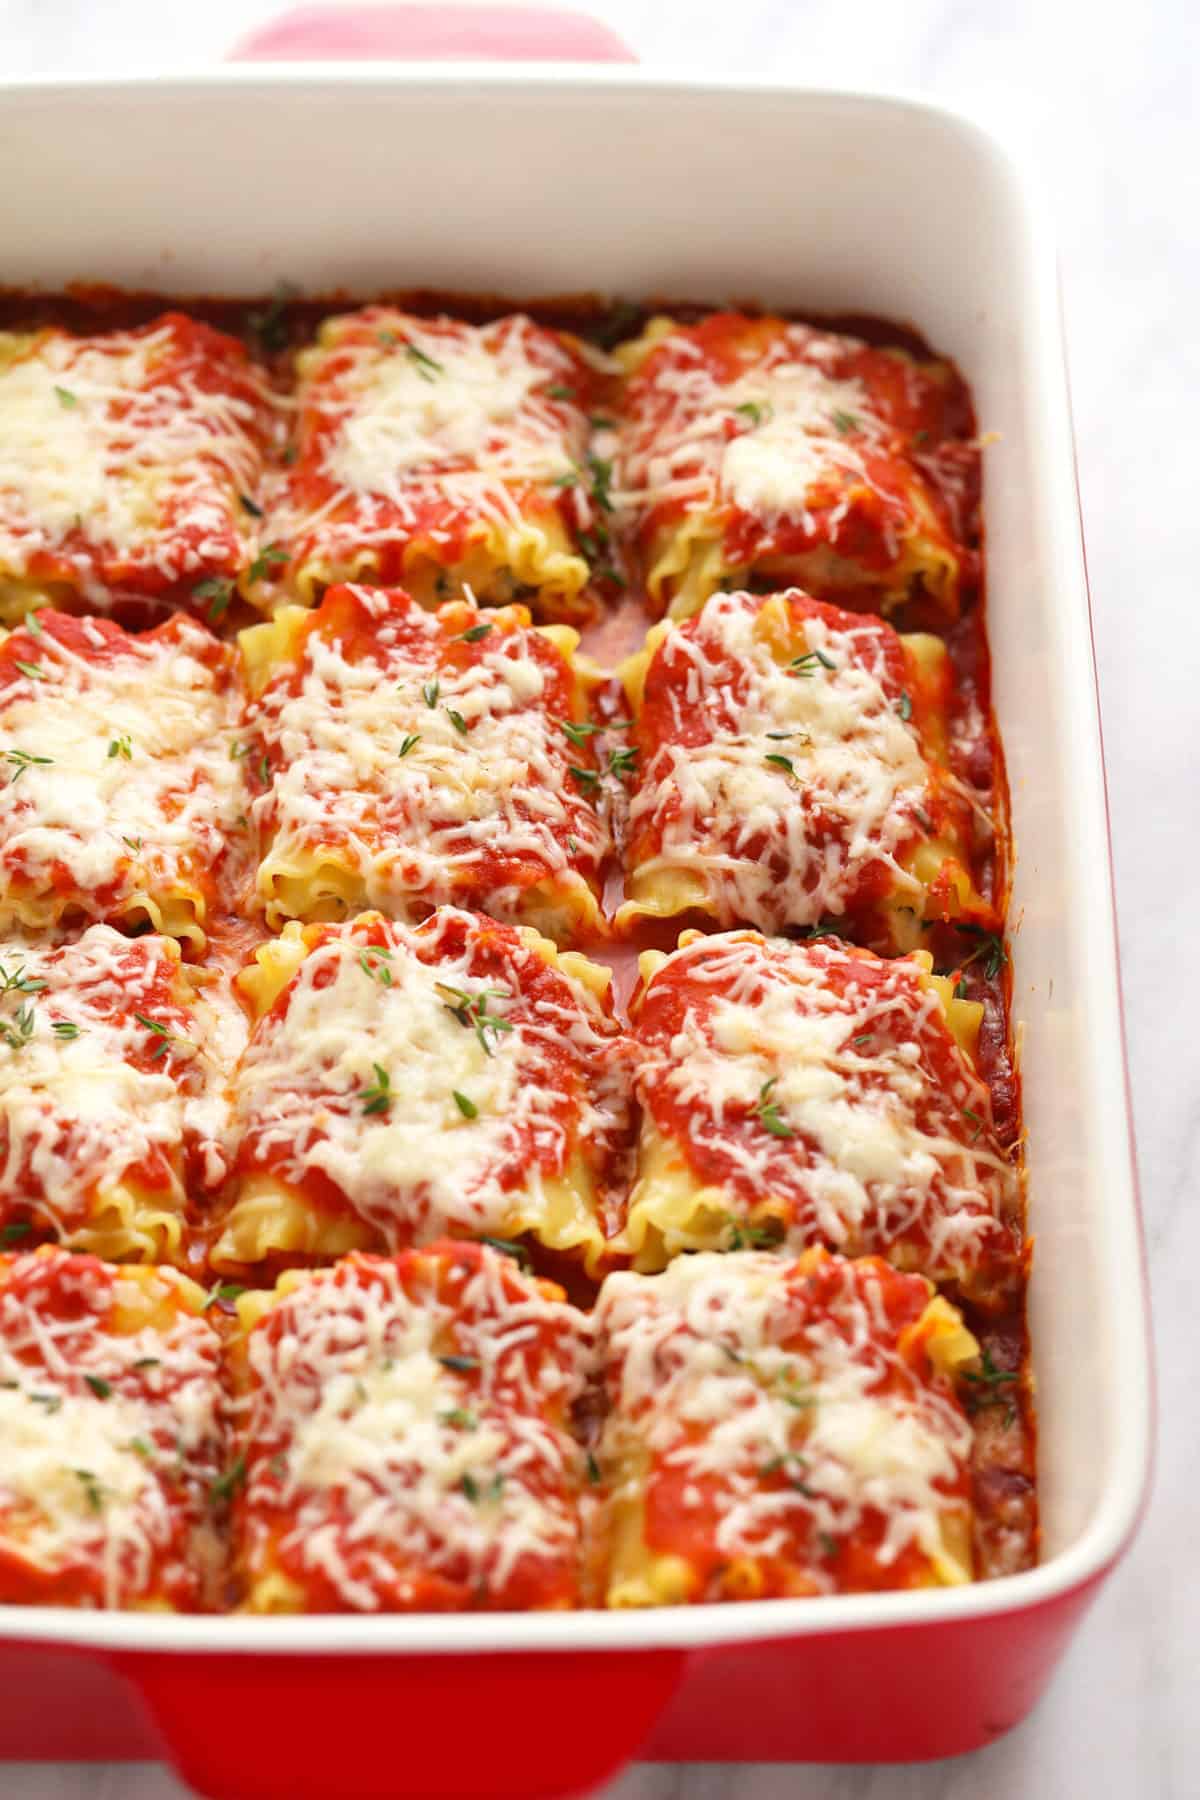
(122,788)
(815,1094)
(403,1425)
(416,758)
(431,454)
(755,448)
(110,1094)
(112,1437)
(123,461)
(792,769)
(780,1429)
(400,1084)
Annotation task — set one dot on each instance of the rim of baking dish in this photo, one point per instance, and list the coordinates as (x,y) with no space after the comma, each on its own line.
(1130,1401)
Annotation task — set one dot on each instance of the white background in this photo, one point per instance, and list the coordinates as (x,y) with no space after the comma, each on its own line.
(1108,97)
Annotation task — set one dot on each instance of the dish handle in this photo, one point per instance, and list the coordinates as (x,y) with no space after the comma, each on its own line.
(504,1725)
(453,33)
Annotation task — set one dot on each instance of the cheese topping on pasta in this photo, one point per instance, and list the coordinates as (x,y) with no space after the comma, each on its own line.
(429,756)
(459,1035)
(790,785)
(785,1420)
(406,1429)
(408,417)
(128,449)
(120,781)
(111,1434)
(107,1081)
(817,1089)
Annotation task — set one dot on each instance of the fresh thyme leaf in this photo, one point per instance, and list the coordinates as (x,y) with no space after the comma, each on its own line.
(12,1234)
(780,762)
(805,666)
(622,763)
(588,779)
(768,1112)
(509,1247)
(250,506)
(25,759)
(222,1293)
(429,693)
(218,592)
(579,731)
(753,410)
(410,742)
(559,392)
(845,421)
(101,1388)
(269,325)
(904,707)
(374,961)
(989,951)
(459,1363)
(32,671)
(601,470)
(475,634)
(466,1107)
(91,1488)
(226,1485)
(268,558)
(65,397)
(426,366)
(121,746)
(377,1096)
(65,1029)
(457,720)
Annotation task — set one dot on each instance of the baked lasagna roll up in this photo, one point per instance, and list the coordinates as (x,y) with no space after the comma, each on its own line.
(418,758)
(110,1094)
(123,461)
(431,453)
(816,1094)
(754,448)
(792,769)
(782,1428)
(112,1437)
(121,785)
(400,1083)
(403,1431)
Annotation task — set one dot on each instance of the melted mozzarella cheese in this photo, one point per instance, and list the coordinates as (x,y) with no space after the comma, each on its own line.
(139,780)
(430,1471)
(763,441)
(91,1475)
(76,1115)
(709,1382)
(428,414)
(91,442)
(866,1146)
(841,753)
(460,1120)
(424,822)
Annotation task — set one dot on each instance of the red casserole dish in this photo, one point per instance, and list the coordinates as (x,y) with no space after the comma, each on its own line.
(609,163)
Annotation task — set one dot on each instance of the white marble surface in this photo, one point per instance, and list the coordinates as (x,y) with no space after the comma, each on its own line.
(1108,96)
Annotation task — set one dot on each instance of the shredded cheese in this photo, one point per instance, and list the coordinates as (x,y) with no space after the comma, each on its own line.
(882,1136)
(802,1423)
(102,455)
(392,1464)
(101,1458)
(507,1105)
(806,780)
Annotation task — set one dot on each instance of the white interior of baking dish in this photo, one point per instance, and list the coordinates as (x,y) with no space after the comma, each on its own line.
(562,180)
